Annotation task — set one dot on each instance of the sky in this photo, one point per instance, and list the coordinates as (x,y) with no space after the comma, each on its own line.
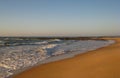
(59,17)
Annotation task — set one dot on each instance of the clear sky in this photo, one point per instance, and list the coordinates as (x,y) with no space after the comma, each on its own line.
(59,17)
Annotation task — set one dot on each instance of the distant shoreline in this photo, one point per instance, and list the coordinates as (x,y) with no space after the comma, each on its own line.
(62,38)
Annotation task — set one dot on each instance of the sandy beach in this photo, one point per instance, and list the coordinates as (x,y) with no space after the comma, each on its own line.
(101,63)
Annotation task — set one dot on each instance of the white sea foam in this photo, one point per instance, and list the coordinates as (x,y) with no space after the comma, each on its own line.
(15,58)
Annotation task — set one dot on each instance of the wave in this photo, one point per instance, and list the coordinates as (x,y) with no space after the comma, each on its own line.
(14,58)
(16,42)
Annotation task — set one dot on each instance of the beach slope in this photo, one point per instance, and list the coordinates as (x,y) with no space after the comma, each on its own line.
(101,63)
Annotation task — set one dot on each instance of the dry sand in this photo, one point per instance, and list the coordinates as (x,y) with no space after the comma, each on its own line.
(101,63)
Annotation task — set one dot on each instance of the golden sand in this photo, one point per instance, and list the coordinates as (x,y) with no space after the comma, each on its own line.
(101,63)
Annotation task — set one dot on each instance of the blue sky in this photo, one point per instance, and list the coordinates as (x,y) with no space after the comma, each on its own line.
(59,17)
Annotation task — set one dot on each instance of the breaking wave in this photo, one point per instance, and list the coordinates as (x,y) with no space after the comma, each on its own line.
(14,58)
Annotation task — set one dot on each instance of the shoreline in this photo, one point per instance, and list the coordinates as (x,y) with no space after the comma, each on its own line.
(59,58)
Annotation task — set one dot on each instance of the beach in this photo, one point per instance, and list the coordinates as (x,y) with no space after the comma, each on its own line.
(100,63)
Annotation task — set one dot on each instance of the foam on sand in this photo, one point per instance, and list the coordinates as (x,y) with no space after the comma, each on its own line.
(18,58)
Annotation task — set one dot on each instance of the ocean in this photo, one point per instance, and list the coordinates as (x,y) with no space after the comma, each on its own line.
(20,53)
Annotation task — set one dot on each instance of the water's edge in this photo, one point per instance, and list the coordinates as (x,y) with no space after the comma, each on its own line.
(58,58)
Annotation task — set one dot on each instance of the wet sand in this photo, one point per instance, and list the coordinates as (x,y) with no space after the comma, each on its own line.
(101,63)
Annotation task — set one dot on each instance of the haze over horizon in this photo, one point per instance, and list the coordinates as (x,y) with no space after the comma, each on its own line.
(59,17)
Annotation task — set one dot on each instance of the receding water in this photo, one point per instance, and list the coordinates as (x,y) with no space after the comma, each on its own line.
(16,54)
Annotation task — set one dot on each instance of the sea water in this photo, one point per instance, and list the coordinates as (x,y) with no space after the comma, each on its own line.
(19,54)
